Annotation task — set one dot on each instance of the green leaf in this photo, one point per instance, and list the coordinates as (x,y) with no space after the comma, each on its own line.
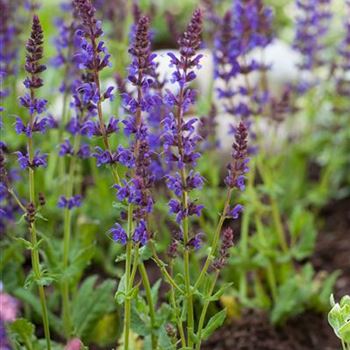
(339,318)
(215,322)
(345,301)
(79,262)
(344,332)
(28,297)
(138,325)
(221,291)
(27,244)
(23,331)
(120,258)
(106,330)
(39,216)
(322,296)
(45,280)
(155,291)
(163,314)
(90,304)
(120,294)
(164,342)
(332,300)
(293,295)
(145,253)
(119,206)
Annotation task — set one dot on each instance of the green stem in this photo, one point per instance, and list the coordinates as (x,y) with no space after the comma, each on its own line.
(278,224)
(271,278)
(15,197)
(66,314)
(147,286)
(215,240)
(243,289)
(276,215)
(190,317)
(163,269)
(128,263)
(65,283)
(134,265)
(204,311)
(34,251)
(127,304)
(176,311)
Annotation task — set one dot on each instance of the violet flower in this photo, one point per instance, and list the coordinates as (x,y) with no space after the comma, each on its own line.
(207,130)
(238,167)
(226,244)
(93,57)
(312,25)
(69,203)
(8,206)
(118,234)
(9,52)
(38,160)
(236,211)
(247,26)
(343,64)
(179,138)
(93,54)
(136,189)
(35,105)
(252,21)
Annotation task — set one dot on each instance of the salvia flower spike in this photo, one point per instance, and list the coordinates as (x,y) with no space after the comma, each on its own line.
(34,159)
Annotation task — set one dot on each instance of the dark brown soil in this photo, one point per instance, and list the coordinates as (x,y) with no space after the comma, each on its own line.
(333,246)
(254,332)
(308,331)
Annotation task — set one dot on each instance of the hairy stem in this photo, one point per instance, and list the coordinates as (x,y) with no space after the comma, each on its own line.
(66,315)
(127,304)
(35,250)
(215,240)
(177,311)
(147,286)
(204,311)
(163,269)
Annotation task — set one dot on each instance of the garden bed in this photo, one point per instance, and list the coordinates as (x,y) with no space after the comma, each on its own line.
(309,331)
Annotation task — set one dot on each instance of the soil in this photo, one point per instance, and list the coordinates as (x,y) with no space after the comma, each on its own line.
(308,331)
(333,246)
(254,332)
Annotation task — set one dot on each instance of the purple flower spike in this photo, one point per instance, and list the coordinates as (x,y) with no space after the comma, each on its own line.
(238,167)
(9,48)
(226,244)
(35,54)
(137,156)
(93,54)
(36,106)
(312,25)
